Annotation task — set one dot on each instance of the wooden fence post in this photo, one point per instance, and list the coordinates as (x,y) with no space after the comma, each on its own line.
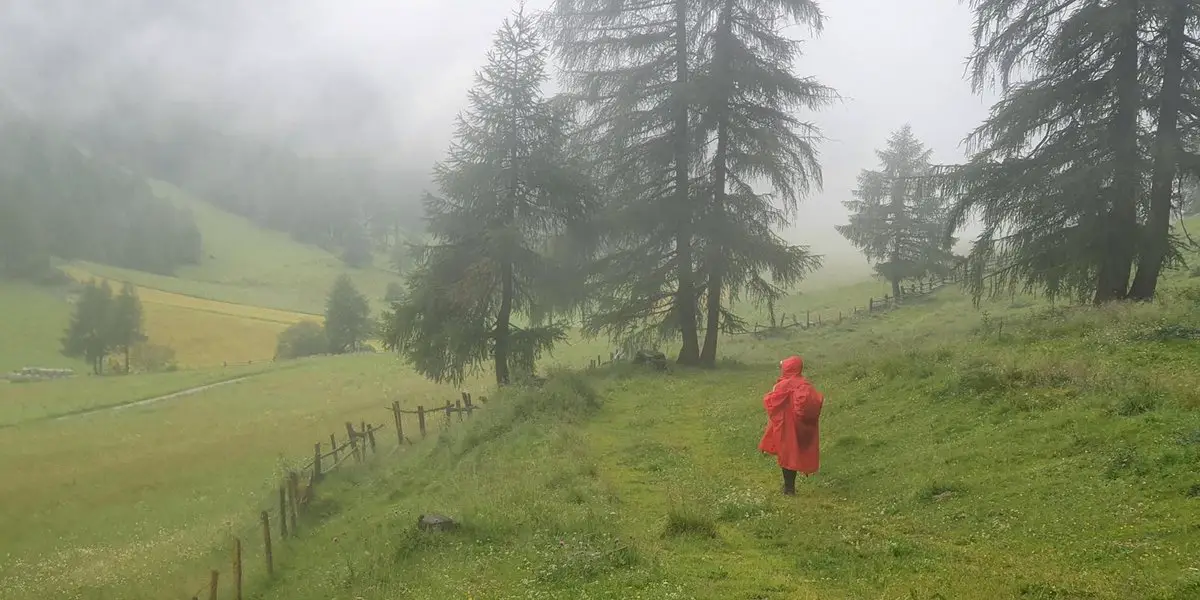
(870,305)
(213,577)
(399,421)
(421,419)
(353,441)
(317,462)
(266,523)
(458,409)
(470,406)
(839,317)
(294,482)
(370,439)
(333,448)
(283,528)
(807,319)
(237,568)
(449,408)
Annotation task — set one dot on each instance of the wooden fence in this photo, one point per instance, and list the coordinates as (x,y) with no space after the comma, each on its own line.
(297,488)
(873,306)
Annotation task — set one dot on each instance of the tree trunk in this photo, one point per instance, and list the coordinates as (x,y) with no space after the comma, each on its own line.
(896,288)
(715,259)
(1121,224)
(685,295)
(1166,147)
(503,321)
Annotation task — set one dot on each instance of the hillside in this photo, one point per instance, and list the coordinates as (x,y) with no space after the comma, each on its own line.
(34,320)
(245,264)
(1018,451)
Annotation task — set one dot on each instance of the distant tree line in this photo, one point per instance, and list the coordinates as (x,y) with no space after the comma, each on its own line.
(346,205)
(59,200)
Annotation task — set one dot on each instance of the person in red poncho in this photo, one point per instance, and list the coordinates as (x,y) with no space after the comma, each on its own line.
(793,409)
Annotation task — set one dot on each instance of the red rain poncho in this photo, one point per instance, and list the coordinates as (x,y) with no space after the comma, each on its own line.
(793,408)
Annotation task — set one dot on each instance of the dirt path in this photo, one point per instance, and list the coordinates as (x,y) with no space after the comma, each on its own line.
(171,396)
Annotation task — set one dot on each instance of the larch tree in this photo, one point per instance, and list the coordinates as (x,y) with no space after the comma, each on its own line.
(897,218)
(1172,67)
(628,65)
(748,95)
(487,285)
(1056,179)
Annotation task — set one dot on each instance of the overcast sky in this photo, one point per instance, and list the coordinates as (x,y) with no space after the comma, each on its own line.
(895,61)
(403,67)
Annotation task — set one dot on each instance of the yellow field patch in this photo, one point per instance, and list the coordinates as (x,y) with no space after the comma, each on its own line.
(207,332)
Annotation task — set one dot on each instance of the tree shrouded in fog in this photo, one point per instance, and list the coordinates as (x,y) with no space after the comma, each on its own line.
(748,96)
(629,64)
(102,323)
(1057,177)
(509,190)
(126,329)
(897,218)
(347,317)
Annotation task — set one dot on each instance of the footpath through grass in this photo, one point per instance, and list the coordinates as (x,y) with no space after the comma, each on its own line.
(1025,452)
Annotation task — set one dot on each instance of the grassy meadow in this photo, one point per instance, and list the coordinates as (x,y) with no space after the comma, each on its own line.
(1053,457)
(29,333)
(1011,450)
(139,502)
(243,264)
(203,332)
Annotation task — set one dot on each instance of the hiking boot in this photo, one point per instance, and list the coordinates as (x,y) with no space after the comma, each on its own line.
(789,490)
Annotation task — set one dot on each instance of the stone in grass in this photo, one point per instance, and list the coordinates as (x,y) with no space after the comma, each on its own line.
(436,523)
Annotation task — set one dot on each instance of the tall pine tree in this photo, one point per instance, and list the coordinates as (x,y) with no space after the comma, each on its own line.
(748,94)
(896,217)
(486,286)
(1057,176)
(629,64)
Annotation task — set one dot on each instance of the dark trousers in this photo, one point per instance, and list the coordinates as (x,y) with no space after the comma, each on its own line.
(789,481)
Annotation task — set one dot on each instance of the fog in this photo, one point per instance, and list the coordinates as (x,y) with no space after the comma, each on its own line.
(385,78)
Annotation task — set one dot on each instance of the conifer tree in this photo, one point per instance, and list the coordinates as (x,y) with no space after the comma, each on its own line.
(1057,176)
(89,333)
(347,316)
(748,96)
(896,217)
(629,65)
(1170,68)
(487,285)
(125,326)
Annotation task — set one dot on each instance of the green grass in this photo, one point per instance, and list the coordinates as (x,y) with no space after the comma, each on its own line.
(1017,451)
(244,264)
(34,319)
(27,402)
(139,503)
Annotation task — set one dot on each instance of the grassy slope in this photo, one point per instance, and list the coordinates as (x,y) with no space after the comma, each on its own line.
(33,321)
(1052,456)
(139,503)
(244,264)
